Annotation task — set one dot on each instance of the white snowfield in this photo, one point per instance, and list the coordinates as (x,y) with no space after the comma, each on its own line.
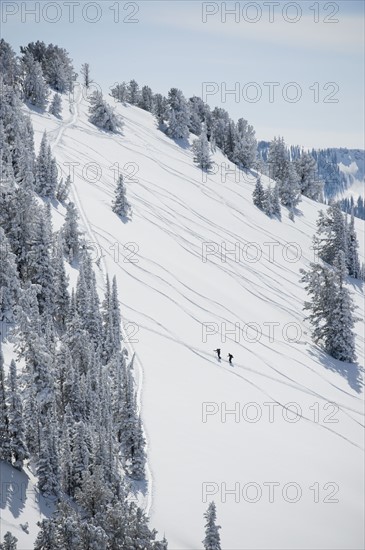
(280,479)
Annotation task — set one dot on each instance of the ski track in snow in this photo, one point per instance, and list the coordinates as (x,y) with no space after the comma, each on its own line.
(147,501)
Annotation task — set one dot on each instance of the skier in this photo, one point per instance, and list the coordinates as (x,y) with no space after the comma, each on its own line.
(218,351)
(230,357)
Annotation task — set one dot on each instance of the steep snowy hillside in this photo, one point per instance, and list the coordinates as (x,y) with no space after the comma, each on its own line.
(177,288)
(352,165)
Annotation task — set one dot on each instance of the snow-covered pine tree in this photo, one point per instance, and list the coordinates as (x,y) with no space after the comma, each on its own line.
(133,93)
(5,450)
(160,108)
(353,263)
(71,234)
(310,184)
(48,537)
(85,71)
(48,464)
(10,542)
(61,297)
(9,67)
(276,202)
(120,204)
(278,159)
(9,279)
(267,201)
(146,100)
(87,300)
(289,188)
(331,234)
(46,180)
(341,339)
(120,92)
(258,194)
(55,107)
(63,190)
(178,115)
(201,150)
(245,147)
(230,140)
(94,494)
(111,321)
(331,308)
(34,88)
(138,452)
(18,445)
(212,539)
(40,268)
(103,115)
(320,286)
(196,115)
(56,64)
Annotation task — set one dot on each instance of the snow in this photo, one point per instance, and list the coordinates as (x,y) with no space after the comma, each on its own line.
(21,503)
(352,165)
(167,293)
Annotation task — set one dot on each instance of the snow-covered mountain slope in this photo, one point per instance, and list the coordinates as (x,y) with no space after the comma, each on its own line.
(352,165)
(170,297)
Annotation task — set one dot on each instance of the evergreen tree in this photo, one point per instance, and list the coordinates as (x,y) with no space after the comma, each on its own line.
(201,149)
(55,107)
(212,537)
(70,233)
(289,188)
(310,185)
(63,190)
(258,194)
(331,308)
(276,208)
(102,115)
(133,93)
(111,321)
(138,453)
(121,205)
(146,100)
(61,297)
(9,280)
(9,68)
(341,340)
(353,263)
(46,170)
(10,542)
(120,92)
(278,160)
(5,450)
(40,268)
(331,234)
(55,62)
(85,71)
(244,151)
(33,85)
(160,108)
(195,115)
(16,425)
(267,201)
(48,462)
(178,115)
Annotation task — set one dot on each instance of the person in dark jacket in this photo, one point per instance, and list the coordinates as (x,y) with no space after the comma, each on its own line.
(218,352)
(230,357)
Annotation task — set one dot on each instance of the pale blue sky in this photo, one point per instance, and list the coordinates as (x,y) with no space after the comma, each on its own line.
(170,46)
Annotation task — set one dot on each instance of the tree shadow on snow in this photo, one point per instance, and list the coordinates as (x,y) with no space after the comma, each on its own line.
(14,488)
(352,372)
